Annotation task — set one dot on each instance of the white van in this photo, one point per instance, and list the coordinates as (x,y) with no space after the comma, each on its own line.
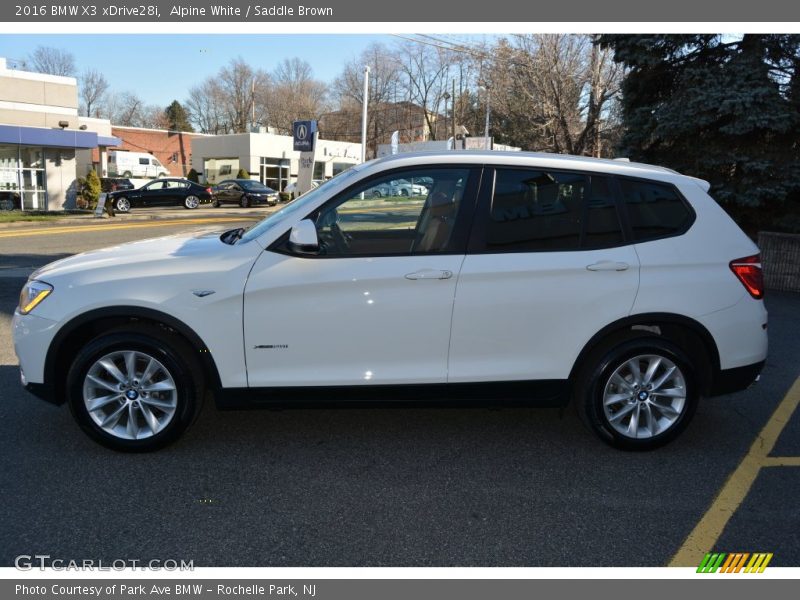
(135,164)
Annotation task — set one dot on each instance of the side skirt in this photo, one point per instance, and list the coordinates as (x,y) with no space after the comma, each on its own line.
(541,393)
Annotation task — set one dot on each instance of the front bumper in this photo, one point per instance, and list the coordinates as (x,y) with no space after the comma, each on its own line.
(32,338)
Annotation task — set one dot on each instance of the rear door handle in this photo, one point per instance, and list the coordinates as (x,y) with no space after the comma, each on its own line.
(429,274)
(608,265)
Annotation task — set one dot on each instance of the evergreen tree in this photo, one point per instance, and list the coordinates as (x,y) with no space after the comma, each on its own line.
(724,110)
(177,117)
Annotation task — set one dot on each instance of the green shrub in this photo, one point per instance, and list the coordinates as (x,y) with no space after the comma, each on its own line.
(242,174)
(193,176)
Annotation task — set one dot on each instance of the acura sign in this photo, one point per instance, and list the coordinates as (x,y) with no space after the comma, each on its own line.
(304,135)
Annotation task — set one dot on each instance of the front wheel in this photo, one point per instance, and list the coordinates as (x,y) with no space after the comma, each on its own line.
(191,202)
(123,205)
(133,391)
(244,202)
(639,395)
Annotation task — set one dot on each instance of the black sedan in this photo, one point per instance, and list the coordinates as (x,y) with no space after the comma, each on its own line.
(162,192)
(244,192)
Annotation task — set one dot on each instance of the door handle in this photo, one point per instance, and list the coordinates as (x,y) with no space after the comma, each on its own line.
(429,274)
(608,265)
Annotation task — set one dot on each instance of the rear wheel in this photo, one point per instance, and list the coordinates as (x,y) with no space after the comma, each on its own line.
(244,202)
(215,203)
(127,174)
(132,390)
(122,204)
(191,202)
(639,394)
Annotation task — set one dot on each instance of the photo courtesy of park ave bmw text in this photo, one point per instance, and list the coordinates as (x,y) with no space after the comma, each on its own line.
(348,300)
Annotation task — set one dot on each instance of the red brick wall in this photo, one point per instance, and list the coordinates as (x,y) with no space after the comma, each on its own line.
(164,145)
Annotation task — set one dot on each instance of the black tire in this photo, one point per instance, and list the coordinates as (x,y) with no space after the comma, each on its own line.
(127,174)
(596,373)
(244,202)
(215,204)
(403,192)
(171,351)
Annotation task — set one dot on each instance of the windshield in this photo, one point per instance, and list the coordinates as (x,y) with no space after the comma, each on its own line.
(255,186)
(295,206)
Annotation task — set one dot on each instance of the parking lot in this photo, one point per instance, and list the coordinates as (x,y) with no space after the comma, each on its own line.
(394,487)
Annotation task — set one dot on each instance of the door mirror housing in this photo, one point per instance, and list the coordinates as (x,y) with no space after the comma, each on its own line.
(303,237)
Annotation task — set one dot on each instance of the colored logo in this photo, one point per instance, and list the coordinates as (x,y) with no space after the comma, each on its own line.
(735,562)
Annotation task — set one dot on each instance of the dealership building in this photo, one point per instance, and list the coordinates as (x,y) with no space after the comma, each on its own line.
(44,144)
(268,157)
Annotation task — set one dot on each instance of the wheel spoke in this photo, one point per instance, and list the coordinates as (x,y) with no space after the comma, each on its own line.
(612,399)
(621,381)
(103,384)
(162,404)
(133,426)
(149,417)
(664,378)
(99,403)
(655,362)
(130,365)
(665,409)
(652,424)
(633,425)
(671,393)
(160,386)
(633,366)
(618,416)
(149,371)
(112,369)
(112,419)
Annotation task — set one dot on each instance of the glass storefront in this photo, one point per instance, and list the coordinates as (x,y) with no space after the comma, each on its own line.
(275,172)
(22,178)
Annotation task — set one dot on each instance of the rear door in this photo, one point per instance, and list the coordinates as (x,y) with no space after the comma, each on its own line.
(547,267)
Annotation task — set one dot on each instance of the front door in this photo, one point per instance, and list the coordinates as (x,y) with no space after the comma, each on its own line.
(374,305)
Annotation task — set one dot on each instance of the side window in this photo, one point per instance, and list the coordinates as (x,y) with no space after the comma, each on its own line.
(654,209)
(394,215)
(535,210)
(144,161)
(602,227)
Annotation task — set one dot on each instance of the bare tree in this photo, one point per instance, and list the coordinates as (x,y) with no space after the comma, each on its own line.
(52,61)
(426,70)
(92,91)
(294,94)
(239,84)
(552,91)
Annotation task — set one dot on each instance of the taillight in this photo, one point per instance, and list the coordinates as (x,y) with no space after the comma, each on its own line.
(208,190)
(748,270)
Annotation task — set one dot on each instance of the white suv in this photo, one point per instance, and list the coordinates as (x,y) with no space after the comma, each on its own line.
(622,287)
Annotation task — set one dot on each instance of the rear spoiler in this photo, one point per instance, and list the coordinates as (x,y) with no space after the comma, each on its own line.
(702,183)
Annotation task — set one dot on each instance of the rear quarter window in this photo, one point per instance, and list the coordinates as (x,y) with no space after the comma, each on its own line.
(655,210)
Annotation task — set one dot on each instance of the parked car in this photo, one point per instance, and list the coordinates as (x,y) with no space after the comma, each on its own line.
(621,287)
(10,200)
(135,164)
(113,184)
(244,192)
(162,192)
(399,187)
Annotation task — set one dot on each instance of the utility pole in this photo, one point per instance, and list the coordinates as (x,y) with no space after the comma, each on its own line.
(454,113)
(364,115)
(446,97)
(488,116)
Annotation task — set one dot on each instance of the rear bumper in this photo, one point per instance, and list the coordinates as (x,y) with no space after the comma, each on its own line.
(728,381)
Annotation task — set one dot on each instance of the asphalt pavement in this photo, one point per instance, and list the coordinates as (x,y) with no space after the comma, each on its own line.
(384,487)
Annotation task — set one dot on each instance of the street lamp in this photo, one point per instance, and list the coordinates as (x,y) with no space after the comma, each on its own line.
(446,97)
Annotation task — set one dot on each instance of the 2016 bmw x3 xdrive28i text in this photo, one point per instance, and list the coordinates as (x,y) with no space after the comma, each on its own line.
(620,286)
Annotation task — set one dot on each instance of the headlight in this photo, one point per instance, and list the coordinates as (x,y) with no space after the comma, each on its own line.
(32,294)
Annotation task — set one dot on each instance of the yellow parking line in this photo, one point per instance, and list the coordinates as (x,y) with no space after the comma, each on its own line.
(710,527)
(782,461)
(108,226)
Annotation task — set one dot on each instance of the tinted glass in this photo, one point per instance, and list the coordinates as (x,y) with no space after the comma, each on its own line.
(536,210)
(654,209)
(255,186)
(602,227)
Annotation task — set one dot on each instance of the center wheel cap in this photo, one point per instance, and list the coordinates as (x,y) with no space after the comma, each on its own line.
(131,394)
(643,396)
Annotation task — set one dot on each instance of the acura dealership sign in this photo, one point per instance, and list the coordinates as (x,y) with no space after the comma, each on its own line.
(304,135)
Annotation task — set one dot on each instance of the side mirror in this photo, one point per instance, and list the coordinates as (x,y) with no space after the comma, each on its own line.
(303,237)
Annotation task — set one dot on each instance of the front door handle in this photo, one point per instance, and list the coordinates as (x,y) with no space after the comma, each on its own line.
(429,274)
(608,265)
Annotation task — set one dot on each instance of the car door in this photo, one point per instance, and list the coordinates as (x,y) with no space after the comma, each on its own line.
(373,306)
(548,266)
(149,193)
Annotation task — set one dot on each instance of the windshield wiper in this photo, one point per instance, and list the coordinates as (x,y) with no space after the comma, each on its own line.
(232,236)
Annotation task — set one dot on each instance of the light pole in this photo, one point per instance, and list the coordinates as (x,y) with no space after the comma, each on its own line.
(446,97)
(488,116)
(364,115)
